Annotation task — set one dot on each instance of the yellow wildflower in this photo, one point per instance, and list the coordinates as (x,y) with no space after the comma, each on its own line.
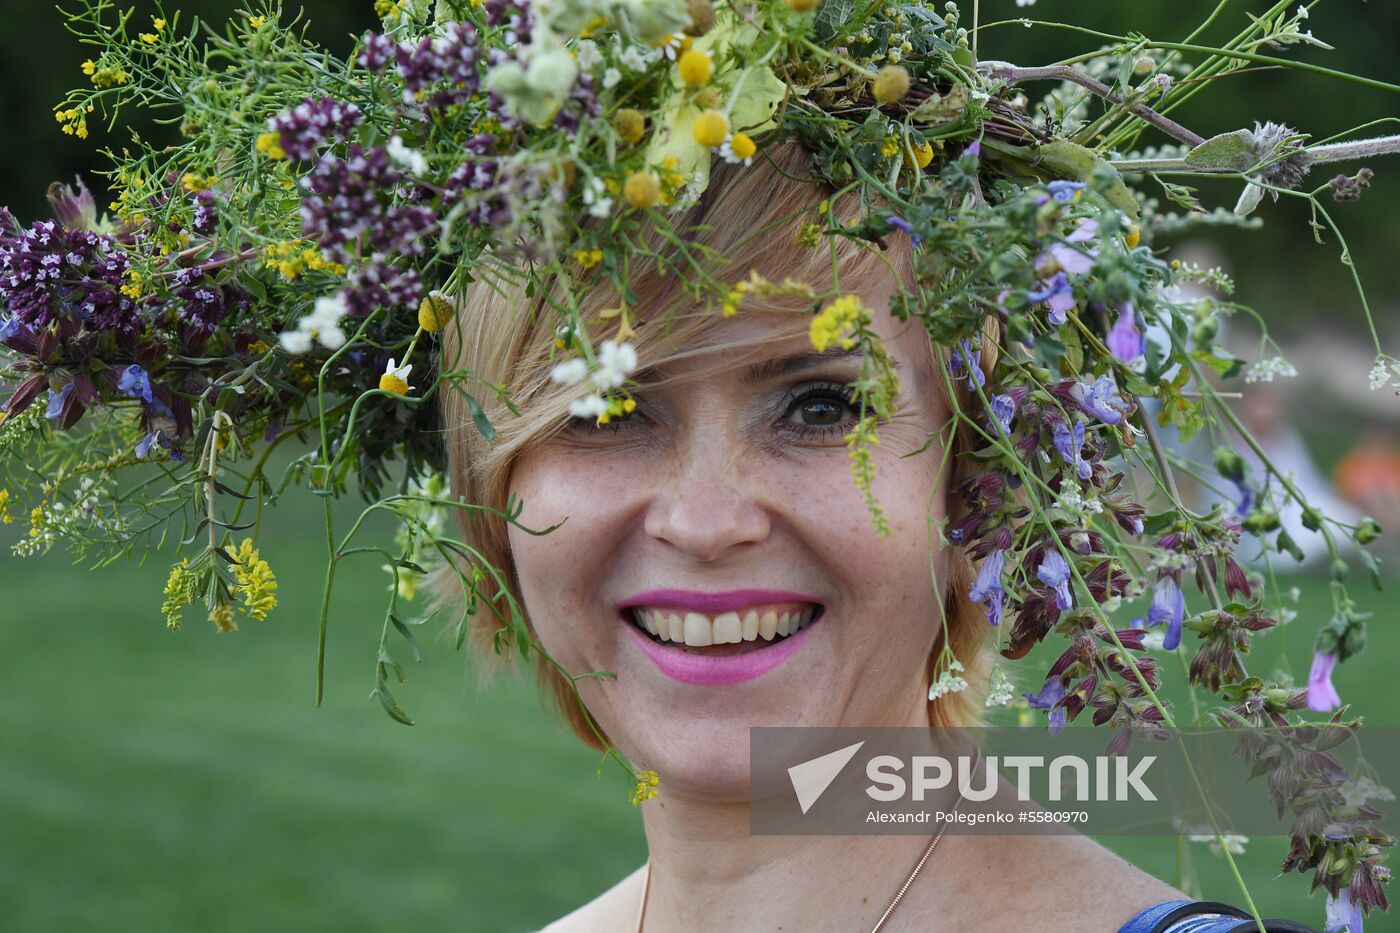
(89,67)
(435,312)
(109,77)
(695,68)
(149,38)
(270,145)
(832,324)
(630,125)
(617,406)
(643,190)
(132,289)
(670,177)
(193,182)
(760,287)
(256,22)
(923,154)
(588,258)
(711,129)
(809,235)
(1133,237)
(158,23)
(255,583)
(222,617)
(179,593)
(891,83)
(5,516)
(890,146)
(647,783)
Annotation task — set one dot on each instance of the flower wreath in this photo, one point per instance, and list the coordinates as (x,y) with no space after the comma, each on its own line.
(284,271)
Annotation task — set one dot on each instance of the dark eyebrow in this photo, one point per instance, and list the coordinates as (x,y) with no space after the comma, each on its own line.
(787,365)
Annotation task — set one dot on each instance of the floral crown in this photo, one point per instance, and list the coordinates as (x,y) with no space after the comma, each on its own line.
(286,269)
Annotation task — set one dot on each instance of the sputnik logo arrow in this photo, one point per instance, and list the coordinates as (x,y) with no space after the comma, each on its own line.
(811,778)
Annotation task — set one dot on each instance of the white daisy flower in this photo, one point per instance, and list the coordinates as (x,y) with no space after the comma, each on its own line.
(395,378)
(590,406)
(569,372)
(401,155)
(615,361)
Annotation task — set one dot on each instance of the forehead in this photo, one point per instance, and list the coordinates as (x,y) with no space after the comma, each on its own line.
(751,350)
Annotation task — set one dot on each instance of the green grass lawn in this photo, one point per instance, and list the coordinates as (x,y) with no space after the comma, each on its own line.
(159,781)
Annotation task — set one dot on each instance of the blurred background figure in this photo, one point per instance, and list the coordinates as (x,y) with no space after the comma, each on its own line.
(1369,475)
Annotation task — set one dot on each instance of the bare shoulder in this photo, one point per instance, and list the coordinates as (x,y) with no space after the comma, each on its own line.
(1069,883)
(609,912)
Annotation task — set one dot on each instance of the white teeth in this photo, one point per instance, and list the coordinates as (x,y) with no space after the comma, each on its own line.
(698,630)
(728,629)
(750,632)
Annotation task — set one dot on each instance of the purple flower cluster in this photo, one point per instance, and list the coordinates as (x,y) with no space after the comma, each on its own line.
(449,62)
(514,16)
(49,272)
(203,215)
(348,211)
(199,303)
(475,181)
(308,126)
(581,103)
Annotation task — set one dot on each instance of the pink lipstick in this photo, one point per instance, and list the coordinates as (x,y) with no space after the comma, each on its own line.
(724,663)
(678,664)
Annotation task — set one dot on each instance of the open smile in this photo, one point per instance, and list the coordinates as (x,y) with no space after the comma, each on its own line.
(721,648)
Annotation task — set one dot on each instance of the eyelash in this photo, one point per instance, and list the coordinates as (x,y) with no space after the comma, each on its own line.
(840,392)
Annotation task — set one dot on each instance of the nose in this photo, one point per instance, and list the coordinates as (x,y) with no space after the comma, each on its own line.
(708,500)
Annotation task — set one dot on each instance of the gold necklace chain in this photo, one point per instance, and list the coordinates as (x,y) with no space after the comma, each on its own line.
(884,918)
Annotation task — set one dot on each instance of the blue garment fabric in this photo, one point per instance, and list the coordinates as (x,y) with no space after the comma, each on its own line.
(1185,916)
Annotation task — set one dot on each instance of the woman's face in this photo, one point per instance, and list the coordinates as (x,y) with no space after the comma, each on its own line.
(717,502)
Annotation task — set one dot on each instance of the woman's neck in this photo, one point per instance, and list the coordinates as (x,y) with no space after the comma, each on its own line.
(708,872)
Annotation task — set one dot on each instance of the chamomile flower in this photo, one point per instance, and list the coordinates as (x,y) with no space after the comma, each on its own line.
(738,148)
(673,45)
(395,378)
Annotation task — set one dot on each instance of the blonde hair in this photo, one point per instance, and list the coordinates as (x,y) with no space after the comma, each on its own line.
(503,338)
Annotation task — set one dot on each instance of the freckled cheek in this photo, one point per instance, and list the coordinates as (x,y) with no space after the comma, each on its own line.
(559,571)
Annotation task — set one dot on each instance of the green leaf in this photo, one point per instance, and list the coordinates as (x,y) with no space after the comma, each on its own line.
(483,424)
(1228,152)
(831,16)
(943,108)
(407,636)
(1221,362)
(1373,564)
(391,706)
(1071,160)
(1156,524)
